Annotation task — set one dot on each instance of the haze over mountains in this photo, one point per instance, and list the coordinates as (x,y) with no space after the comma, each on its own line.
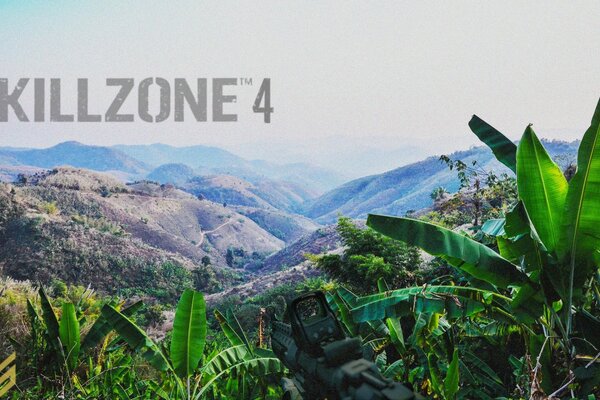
(212,160)
(223,177)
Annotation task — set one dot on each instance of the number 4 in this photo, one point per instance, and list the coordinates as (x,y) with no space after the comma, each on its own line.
(264,92)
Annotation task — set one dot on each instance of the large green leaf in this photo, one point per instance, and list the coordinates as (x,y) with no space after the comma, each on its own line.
(50,320)
(228,330)
(482,373)
(101,327)
(256,367)
(396,334)
(347,295)
(238,360)
(542,188)
(494,227)
(135,337)
(33,316)
(225,359)
(454,301)
(237,327)
(69,334)
(189,333)
(523,240)
(504,150)
(462,252)
(451,380)
(344,314)
(394,369)
(581,224)
(588,327)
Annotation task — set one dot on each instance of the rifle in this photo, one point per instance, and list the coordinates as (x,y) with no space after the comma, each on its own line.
(325,363)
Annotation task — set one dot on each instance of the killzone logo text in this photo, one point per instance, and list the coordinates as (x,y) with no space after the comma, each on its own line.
(171,100)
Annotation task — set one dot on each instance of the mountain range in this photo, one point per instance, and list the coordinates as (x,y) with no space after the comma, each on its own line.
(206,160)
(223,177)
(409,187)
(115,217)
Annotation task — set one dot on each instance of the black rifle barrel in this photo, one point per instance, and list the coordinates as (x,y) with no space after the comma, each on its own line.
(339,372)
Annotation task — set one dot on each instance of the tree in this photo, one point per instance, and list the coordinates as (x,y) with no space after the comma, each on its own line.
(229,257)
(483,194)
(438,193)
(370,256)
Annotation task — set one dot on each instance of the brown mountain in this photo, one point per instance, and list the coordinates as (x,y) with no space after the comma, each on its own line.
(88,228)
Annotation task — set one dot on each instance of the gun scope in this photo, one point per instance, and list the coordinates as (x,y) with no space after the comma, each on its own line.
(313,322)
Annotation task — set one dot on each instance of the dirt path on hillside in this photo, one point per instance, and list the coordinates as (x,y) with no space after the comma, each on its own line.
(203,234)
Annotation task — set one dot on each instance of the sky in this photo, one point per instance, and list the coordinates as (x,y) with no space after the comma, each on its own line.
(357,86)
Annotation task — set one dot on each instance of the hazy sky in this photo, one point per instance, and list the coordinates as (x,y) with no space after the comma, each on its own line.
(357,74)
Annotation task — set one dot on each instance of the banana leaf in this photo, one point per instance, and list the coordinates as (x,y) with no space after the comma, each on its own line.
(237,327)
(483,373)
(225,359)
(344,313)
(494,227)
(255,367)
(580,233)
(229,332)
(136,338)
(396,334)
(462,252)
(347,295)
(542,188)
(454,301)
(189,333)
(393,324)
(382,285)
(33,316)
(504,150)
(50,320)
(101,327)
(588,327)
(69,334)
(394,369)
(452,377)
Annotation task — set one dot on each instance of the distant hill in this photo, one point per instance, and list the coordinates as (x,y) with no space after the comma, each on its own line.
(304,174)
(10,173)
(285,226)
(176,174)
(207,160)
(323,240)
(194,156)
(267,194)
(75,154)
(169,164)
(409,187)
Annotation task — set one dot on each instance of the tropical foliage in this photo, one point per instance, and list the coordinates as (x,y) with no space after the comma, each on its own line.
(538,293)
(80,352)
(370,256)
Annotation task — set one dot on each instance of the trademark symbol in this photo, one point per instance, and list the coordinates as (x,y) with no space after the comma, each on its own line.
(245,81)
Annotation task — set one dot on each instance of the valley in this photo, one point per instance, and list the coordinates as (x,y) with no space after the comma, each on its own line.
(112,216)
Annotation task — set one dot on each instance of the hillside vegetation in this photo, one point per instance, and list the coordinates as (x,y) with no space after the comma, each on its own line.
(87,228)
(409,187)
(265,194)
